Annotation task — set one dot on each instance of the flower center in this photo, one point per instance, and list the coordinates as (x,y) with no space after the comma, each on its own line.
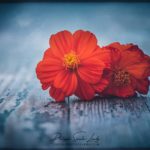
(121,78)
(71,60)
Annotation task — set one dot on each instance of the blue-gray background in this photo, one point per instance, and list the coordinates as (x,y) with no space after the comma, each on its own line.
(25,28)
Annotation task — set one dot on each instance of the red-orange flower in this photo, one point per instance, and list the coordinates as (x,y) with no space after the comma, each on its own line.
(130,69)
(73,64)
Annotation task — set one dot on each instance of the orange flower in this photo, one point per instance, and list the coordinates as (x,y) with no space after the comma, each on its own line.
(73,64)
(129,72)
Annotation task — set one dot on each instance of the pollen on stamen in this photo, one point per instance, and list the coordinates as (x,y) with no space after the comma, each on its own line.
(121,78)
(71,60)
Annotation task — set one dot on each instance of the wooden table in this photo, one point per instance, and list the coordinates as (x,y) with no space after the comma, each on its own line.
(30,119)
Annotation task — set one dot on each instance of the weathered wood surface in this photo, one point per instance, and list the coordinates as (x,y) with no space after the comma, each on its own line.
(30,119)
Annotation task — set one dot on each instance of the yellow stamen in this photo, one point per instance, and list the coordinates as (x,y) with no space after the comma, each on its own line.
(71,60)
(121,78)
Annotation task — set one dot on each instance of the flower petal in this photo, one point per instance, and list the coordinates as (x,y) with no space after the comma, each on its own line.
(84,90)
(91,67)
(139,70)
(57,94)
(121,47)
(67,81)
(84,42)
(49,65)
(131,56)
(141,86)
(45,86)
(122,91)
(61,43)
(48,54)
(125,91)
(47,70)
(91,70)
(115,55)
(105,57)
(101,85)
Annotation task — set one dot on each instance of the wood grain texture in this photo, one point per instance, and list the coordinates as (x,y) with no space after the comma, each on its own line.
(30,119)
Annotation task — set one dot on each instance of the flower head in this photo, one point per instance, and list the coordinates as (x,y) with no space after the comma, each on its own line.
(130,69)
(73,64)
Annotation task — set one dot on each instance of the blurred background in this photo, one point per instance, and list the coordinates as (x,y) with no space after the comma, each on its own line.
(25,29)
